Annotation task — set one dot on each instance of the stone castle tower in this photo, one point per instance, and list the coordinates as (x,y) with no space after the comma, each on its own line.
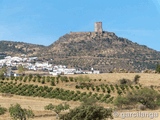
(98,27)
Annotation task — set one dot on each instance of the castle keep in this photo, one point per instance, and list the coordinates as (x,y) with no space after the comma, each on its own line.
(98,27)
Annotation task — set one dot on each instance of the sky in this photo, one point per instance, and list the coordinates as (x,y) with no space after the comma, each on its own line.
(44,21)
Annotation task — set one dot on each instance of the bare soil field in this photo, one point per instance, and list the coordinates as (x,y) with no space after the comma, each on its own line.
(37,104)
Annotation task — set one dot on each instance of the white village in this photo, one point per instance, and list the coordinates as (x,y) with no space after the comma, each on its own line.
(32,64)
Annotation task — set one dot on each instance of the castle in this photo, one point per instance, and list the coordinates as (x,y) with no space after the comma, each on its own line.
(97,29)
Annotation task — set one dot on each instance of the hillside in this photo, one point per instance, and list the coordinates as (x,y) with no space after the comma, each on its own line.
(103,51)
(18,48)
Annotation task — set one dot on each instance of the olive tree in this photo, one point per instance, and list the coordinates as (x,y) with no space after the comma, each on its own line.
(145,96)
(3,70)
(57,109)
(121,101)
(158,68)
(21,69)
(18,113)
(2,110)
(136,79)
(88,110)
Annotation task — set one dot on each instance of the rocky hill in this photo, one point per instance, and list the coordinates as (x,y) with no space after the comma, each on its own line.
(103,51)
(19,48)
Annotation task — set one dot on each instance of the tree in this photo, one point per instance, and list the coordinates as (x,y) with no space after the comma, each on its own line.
(136,79)
(82,79)
(3,70)
(2,110)
(57,109)
(158,68)
(21,69)
(18,113)
(145,96)
(88,111)
(125,81)
(89,101)
(120,101)
(2,77)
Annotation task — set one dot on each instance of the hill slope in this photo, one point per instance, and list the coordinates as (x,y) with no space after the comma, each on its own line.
(18,48)
(104,51)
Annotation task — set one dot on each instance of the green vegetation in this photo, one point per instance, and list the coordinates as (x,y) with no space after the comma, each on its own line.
(82,79)
(2,72)
(88,111)
(2,110)
(125,94)
(9,48)
(125,81)
(18,113)
(45,91)
(120,101)
(58,108)
(21,69)
(136,79)
(146,96)
(158,68)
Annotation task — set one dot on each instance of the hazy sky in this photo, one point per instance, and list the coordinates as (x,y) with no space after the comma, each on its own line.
(44,21)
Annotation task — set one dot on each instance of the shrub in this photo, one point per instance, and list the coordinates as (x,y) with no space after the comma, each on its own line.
(93,88)
(89,112)
(146,96)
(82,79)
(120,101)
(136,79)
(97,88)
(2,110)
(77,86)
(119,92)
(43,81)
(12,77)
(112,88)
(71,79)
(53,83)
(16,112)
(99,79)
(125,81)
(158,68)
(39,80)
(57,109)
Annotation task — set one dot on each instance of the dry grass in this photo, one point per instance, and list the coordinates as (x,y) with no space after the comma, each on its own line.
(145,78)
(37,104)
(34,103)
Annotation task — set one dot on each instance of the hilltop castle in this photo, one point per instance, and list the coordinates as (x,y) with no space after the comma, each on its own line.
(98,27)
(98,31)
